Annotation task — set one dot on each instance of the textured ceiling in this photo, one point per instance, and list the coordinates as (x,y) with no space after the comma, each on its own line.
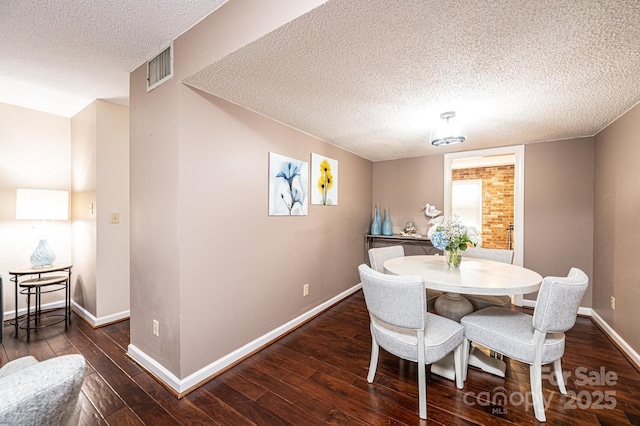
(373,76)
(59,55)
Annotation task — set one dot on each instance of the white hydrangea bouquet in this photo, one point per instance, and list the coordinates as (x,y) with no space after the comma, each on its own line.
(450,235)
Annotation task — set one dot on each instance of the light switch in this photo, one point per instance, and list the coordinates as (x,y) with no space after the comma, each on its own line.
(115,217)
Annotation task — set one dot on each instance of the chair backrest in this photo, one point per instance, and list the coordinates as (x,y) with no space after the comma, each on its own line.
(558,301)
(398,300)
(498,255)
(379,255)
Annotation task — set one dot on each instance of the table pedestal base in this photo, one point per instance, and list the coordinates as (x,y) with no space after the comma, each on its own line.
(453,306)
(487,363)
(446,366)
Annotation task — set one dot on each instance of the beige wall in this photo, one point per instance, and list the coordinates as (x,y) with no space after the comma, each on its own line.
(558,208)
(406,186)
(207,261)
(558,201)
(617,226)
(34,153)
(112,196)
(83,178)
(100,176)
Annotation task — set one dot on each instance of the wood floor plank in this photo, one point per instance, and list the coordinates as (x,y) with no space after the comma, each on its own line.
(182,409)
(317,375)
(89,415)
(124,417)
(221,413)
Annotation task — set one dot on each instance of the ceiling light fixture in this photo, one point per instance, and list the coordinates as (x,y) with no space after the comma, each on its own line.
(448,133)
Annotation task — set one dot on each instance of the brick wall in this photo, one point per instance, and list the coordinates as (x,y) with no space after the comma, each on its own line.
(497,201)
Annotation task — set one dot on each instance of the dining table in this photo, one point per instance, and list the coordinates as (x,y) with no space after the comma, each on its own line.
(473,276)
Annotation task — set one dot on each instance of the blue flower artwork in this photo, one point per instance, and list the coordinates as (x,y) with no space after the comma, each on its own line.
(288,183)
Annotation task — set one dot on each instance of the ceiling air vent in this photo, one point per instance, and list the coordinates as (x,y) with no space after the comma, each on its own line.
(160,68)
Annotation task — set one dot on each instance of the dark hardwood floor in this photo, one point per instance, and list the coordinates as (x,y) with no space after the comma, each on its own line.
(317,375)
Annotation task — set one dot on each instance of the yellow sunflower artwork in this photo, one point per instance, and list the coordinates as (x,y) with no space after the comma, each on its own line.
(324,173)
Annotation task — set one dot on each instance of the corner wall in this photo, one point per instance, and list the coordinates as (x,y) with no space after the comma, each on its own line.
(34,153)
(558,209)
(100,176)
(207,262)
(617,226)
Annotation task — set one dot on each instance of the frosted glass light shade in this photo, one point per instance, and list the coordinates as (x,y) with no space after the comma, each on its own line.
(449,132)
(42,204)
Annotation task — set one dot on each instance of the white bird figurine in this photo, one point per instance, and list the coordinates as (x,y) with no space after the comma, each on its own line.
(431,211)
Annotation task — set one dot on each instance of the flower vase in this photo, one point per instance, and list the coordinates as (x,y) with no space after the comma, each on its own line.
(454,257)
(387,228)
(376,225)
(43,255)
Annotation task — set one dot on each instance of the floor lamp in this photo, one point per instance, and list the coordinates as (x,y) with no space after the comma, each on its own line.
(42,205)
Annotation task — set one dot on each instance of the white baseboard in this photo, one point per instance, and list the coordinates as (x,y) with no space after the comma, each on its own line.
(631,353)
(182,385)
(10,315)
(95,321)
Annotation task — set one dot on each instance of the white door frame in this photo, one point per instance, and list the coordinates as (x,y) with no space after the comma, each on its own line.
(518,194)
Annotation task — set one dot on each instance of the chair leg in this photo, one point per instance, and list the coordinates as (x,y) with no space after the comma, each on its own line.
(422,377)
(375,349)
(535,376)
(466,348)
(459,363)
(557,365)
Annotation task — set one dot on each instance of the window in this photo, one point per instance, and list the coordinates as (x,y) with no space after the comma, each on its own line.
(466,202)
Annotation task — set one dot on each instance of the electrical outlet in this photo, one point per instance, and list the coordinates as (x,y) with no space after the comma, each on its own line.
(613,303)
(305,290)
(156,328)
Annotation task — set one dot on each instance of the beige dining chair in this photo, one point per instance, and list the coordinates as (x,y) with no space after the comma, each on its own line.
(379,255)
(401,325)
(480,301)
(535,340)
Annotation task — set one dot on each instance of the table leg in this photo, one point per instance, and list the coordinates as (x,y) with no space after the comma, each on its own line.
(15,282)
(69,299)
(28,310)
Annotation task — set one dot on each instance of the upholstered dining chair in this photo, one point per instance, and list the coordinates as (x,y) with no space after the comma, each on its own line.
(401,325)
(537,340)
(41,393)
(480,301)
(379,255)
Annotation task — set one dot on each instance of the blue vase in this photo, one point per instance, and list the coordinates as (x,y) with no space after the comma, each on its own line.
(387,228)
(376,225)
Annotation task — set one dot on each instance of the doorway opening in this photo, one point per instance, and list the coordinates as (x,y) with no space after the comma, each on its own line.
(487,158)
(482,196)
(501,173)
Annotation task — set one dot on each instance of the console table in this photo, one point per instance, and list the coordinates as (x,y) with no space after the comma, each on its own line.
(423,242)
(36,281)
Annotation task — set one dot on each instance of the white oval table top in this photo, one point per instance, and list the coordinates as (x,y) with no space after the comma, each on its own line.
(474,276)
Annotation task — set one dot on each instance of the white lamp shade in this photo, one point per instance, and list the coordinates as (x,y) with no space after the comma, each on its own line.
(42,204)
